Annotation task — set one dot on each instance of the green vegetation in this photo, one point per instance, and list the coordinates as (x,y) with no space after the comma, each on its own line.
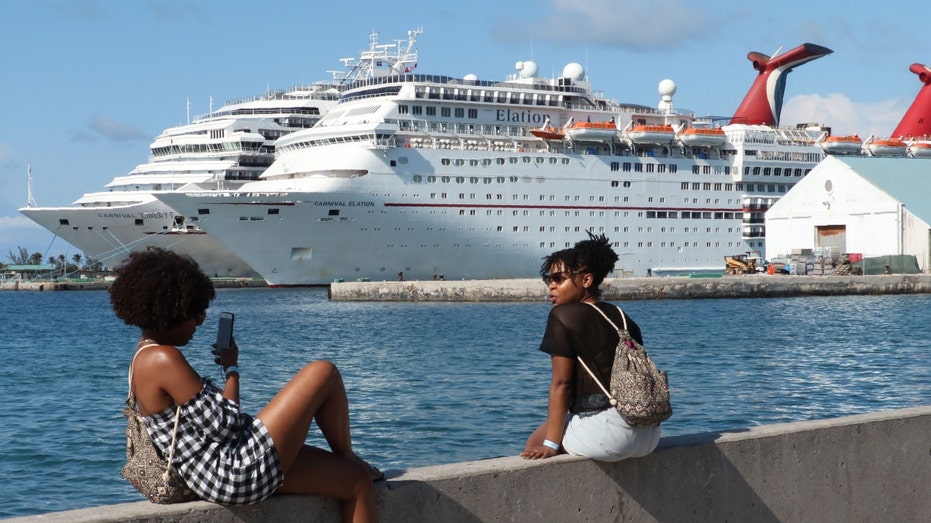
(63,266)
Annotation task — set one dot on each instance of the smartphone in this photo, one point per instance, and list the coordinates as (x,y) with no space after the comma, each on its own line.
(225,331)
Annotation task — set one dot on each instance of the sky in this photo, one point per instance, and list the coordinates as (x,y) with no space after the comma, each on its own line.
(88,84)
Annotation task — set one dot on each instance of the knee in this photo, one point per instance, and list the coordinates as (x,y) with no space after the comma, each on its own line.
(321,369)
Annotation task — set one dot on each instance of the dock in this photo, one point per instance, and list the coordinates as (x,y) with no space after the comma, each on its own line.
(645,288)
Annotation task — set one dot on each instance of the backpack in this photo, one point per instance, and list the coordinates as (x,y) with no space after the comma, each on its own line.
(639,391)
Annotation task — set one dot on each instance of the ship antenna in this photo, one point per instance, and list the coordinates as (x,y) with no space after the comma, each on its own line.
(30,201)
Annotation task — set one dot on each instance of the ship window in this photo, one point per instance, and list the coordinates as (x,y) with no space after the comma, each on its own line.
(416,109)
(638,167)
(203,211)
(459,112)
(333,212)
(63,221)
(139,221)
(473,113)
(273,211)
(402,109)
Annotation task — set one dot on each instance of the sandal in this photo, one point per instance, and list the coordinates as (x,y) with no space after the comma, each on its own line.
(374,473)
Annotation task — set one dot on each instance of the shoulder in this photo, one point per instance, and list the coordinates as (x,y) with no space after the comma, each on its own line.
(158,359)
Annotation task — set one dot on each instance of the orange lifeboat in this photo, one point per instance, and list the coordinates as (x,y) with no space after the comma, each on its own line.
(841,144)
(886,147)
(920,148)
(592,131)
(548,133)
(701,137)
(657,134)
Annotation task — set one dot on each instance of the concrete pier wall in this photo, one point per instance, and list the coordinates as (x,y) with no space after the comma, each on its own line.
(872,467)
(748,286)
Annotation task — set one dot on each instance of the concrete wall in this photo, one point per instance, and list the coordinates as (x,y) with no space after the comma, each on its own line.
(873,467)
(667,287)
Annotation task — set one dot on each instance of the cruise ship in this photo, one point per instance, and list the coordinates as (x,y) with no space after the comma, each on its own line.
(417,176)
(218,151)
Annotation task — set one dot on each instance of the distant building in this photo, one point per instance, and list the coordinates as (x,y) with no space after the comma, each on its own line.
(27,272)
(867,205)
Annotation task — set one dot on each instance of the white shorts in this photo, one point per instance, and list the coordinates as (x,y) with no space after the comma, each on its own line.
(605,436)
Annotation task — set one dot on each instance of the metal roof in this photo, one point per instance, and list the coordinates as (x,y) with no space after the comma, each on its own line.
(41,267)
(907,180)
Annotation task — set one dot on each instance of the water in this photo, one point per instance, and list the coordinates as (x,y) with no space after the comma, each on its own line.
(437,383)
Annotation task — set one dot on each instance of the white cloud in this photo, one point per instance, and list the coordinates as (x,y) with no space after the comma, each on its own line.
(19,231)
(649,25)
(843,115)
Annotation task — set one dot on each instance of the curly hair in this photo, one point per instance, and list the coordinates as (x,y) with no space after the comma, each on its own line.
(593,255)
(159,289)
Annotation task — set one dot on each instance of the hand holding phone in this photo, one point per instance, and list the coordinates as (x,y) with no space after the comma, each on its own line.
(225,331)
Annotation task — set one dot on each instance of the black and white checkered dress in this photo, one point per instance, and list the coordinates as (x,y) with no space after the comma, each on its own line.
(225,455)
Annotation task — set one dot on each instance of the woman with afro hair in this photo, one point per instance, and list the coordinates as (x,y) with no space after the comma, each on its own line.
(225,455)
(580,421)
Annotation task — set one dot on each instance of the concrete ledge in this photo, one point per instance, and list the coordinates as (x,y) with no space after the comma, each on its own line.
(671,287)
(872,467)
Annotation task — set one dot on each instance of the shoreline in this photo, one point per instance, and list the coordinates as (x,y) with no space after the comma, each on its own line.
(103,284)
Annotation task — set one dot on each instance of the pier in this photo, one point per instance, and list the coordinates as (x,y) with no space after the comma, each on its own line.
(870,467)
(655,288)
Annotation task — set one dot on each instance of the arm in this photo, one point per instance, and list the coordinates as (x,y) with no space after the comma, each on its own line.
(558,407)
(162,376)
(229,358)
(560,397)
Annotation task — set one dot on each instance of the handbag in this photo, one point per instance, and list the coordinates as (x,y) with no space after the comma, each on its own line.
(639,391)
(145,468)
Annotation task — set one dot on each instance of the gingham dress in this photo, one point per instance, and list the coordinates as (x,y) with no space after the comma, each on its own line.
(225,455)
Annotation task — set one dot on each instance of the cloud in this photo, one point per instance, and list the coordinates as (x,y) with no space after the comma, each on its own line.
(647,25)
(19,231)
(843,115)
(113,130)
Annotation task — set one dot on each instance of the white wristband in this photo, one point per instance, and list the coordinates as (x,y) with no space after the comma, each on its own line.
(229,370)
(551,444)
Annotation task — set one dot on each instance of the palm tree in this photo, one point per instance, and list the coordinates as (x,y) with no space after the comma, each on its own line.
(77,259)
(21,257)
(35,259)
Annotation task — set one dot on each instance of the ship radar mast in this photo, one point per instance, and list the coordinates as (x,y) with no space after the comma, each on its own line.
(378,60)
(30,201)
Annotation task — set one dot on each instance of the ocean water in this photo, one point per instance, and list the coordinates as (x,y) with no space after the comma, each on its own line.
(440,382)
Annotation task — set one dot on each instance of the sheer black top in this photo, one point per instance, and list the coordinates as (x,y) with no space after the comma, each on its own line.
(576,329)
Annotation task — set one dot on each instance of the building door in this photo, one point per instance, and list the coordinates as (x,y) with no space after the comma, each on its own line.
(832,238)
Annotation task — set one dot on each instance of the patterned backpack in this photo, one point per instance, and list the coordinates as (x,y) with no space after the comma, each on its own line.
(639,391)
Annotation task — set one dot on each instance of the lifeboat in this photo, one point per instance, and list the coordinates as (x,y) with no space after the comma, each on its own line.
(841,144)
(658,134)
(700,137)
(886,147)
(592,131)
(920,149)
(548,133)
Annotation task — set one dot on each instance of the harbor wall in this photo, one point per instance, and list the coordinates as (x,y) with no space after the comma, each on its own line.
(618,289)
(871,467)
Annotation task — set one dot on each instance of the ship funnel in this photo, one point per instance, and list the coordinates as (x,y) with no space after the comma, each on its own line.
(917,119)
(763,103)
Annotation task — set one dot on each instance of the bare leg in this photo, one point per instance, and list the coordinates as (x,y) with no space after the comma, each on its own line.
(315,393)
(316,471)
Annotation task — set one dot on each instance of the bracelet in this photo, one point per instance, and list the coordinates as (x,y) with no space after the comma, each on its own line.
(551,444)
(229,370)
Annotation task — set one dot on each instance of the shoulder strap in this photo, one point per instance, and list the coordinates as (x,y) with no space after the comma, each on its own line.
(623,316)
(130,398)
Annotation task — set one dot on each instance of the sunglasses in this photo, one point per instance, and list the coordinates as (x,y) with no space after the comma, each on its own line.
(558,277)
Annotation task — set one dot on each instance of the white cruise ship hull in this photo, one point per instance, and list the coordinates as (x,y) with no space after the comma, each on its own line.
(419,222)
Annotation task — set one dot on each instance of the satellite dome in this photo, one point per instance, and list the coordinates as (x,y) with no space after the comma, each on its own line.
(470,77)
(667,88)
(573,71)
(527,69)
